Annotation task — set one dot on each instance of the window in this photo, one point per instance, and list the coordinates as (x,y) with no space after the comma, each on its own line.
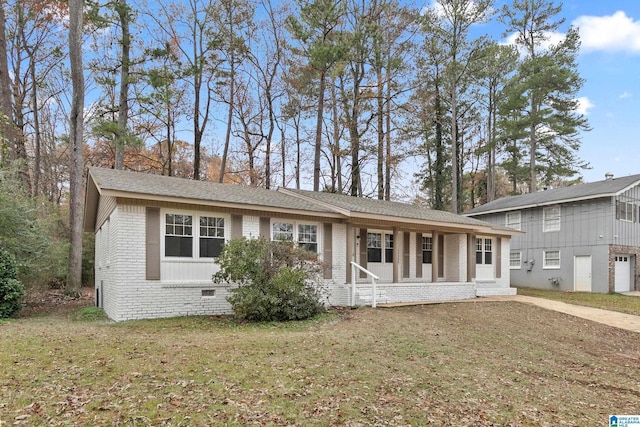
(211,236)
(625,211)
(307,236)
(388,248)
(551,259)
(282,231)
(515,259)
(483,251)
(193,236)
(178,239)
(551,219)
(427,249)
(514,220)
(374,247)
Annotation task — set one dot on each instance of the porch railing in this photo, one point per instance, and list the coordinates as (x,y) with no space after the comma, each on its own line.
(353,283)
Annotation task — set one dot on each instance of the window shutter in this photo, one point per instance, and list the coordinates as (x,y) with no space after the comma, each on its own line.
(327,250)
(152,244)
(265,227)
(363,252)
(406,257)
(471,256)
(498,257)
(236,226)
(418,255)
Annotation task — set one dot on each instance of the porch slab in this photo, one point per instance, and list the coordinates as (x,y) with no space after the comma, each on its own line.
(477,299)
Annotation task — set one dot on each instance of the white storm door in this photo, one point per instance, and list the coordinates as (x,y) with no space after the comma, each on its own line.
(582,273)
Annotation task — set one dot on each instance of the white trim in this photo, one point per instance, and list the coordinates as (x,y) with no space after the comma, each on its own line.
(195,233)
(515,267)
(296,231)
(546,228)
(484,251)
(516,225)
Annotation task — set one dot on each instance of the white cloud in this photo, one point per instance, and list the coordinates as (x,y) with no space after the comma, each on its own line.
(584,105)
(551,39)
(616,32)
(624,95)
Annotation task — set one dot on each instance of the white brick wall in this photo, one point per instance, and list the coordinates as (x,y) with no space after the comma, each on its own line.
(415,292)
(250,227)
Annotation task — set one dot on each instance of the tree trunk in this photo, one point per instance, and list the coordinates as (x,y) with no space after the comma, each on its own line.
(454,150)
(533,146)
(380,120)
(76,167)
(123,107)
(318,141)
(6,105)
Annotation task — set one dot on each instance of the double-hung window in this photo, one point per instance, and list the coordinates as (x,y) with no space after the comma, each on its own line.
(178,238)
(388,248)
(551,259)
(515,259)
(625,211)
(211,236)
(514,220)
(282,232)
(427,249)
(304,235)
(484,254)
(180,234)
(308,237)
(375,245)
(551,219)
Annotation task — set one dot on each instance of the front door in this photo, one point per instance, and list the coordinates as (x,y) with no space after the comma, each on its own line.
(582,273)
(623,273)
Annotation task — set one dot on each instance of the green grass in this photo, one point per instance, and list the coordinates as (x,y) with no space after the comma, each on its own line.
(615,302)
(480,364)
(89,314)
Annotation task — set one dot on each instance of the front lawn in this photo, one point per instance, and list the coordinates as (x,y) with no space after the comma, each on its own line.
(458,364)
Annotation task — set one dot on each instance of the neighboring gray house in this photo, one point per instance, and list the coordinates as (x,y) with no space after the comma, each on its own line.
(584,237)
(157,239)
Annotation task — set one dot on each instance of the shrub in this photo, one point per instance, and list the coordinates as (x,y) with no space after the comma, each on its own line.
(276,281)
(35,232)
(11,289)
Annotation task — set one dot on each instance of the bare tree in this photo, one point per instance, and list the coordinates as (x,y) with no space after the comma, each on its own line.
(76,167)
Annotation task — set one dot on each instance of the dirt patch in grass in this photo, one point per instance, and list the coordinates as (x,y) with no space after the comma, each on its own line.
(55,302)
(472,364)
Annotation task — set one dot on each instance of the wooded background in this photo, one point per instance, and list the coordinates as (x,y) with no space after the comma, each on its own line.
(377,98)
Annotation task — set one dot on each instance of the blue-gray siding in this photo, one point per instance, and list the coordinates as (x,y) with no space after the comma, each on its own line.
(587,228)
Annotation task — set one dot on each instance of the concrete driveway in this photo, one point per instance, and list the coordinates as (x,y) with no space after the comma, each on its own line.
(629,322)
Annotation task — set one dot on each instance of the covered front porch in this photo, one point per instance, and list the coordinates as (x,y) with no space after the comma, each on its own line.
(423,264)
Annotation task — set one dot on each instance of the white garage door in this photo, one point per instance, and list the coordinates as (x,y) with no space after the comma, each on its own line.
(623,273)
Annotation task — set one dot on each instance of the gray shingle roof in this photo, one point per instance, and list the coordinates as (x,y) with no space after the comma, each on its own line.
(360,205)
(592,190)
(142,183)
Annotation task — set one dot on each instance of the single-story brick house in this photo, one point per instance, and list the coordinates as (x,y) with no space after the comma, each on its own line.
(157,239)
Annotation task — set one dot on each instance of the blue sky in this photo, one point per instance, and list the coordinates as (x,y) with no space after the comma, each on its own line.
(609,62)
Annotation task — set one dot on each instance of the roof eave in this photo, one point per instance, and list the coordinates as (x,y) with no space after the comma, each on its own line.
(542,204)
(91,196)
(205,202)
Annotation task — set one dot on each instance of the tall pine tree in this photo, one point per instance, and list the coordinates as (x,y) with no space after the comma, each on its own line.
(544,92)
